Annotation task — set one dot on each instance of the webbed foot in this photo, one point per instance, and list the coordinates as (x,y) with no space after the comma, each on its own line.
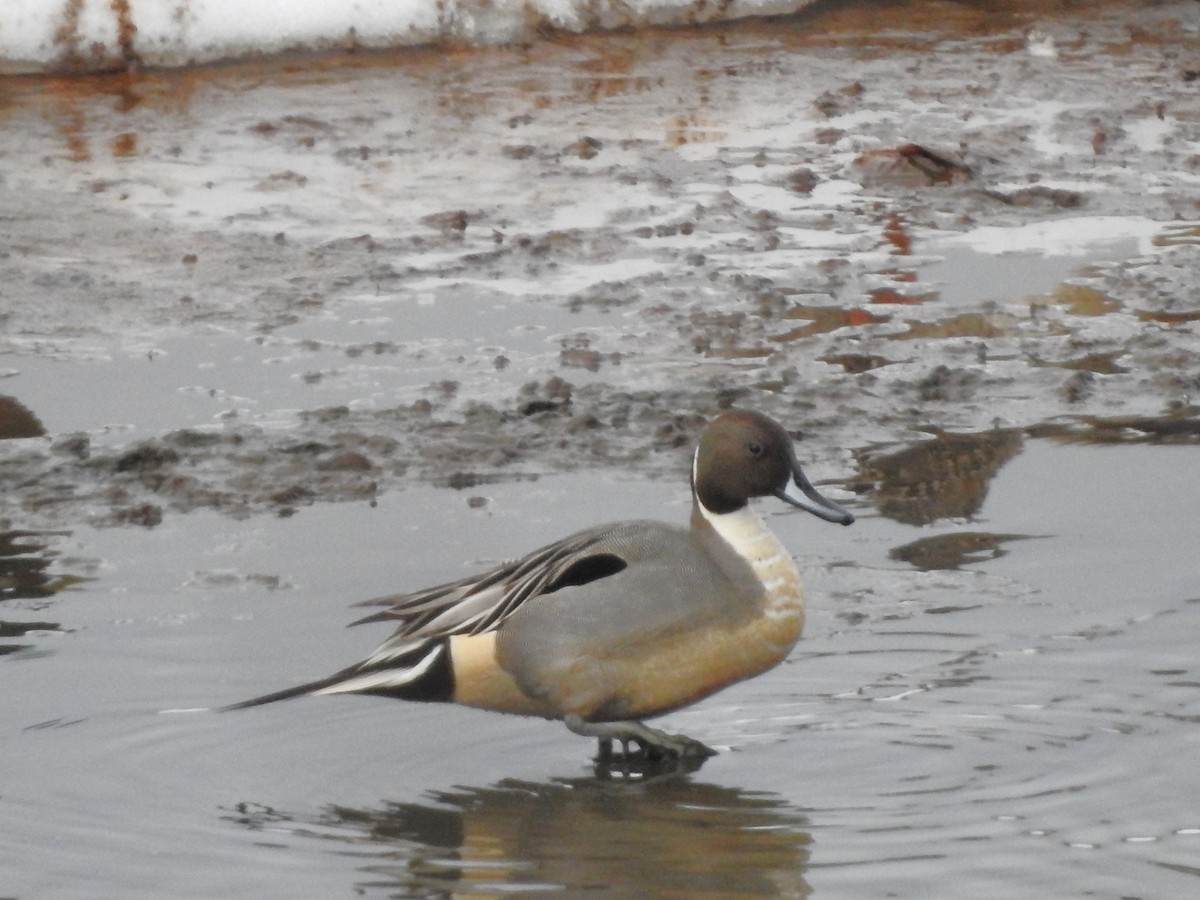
(653,744)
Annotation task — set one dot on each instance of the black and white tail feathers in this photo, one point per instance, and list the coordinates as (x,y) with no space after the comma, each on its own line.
(424,673)
(415,662)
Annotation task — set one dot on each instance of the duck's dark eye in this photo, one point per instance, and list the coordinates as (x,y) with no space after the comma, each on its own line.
(755,448)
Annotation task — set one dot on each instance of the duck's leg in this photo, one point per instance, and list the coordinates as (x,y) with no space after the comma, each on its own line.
(652,741)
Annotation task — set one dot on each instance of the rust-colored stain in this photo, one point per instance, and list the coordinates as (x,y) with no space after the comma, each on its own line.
(693,129)
(612,74)
(75,56)
(891,296)
(1168,316)
(66,35)
(600,88)
(903,276)
(65,102)
(977,325)
(71,125)
(1077,299)
(822,319)
(896,234)
(67,99)
(126,31)
(620,60)
(124,144)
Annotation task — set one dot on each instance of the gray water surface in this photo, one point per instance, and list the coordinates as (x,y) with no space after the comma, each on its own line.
(1023,724)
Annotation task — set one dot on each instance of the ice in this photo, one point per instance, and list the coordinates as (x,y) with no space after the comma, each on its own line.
(52,35)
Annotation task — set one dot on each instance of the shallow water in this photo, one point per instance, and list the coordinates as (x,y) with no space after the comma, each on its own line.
(367,356)
(1022,724)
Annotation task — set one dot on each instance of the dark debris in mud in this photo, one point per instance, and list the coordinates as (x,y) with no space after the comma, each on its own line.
(346,455)
(349,455)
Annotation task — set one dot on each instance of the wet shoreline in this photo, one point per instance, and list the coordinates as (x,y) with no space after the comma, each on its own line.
(637,268)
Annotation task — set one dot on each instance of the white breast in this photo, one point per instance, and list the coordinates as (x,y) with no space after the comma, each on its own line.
(745,531)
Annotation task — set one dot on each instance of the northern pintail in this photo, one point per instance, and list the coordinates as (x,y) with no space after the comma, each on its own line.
(616,623)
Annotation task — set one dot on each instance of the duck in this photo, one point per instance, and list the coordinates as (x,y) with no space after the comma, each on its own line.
(618,623)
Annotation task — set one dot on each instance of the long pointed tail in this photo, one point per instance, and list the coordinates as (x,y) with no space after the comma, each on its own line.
(422,674)
(288,693)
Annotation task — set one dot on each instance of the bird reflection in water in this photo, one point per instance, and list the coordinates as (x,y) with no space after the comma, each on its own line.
(653,835)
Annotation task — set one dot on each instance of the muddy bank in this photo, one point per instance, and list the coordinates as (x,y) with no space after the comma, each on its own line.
(254,288)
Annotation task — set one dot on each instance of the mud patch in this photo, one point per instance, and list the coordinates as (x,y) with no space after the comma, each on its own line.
(256,287)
